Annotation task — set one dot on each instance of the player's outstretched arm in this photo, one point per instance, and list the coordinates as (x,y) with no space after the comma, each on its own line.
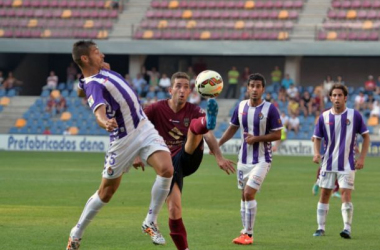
(103,121)
(359,163)
(317,146)
(224,164)
(231,130)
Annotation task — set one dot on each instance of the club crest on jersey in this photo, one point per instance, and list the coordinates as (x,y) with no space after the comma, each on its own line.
(110,171)
(348,122)
(186,122)
(261,116)
(90,101)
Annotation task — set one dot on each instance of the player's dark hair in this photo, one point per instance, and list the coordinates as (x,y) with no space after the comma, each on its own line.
(179,75)
(257,77)
(339,86)
(81,48)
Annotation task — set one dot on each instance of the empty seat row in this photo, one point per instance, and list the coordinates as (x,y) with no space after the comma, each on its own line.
(353,14)
(211,35)
(225,14)
(58,13)
(56,3)
(337,25)
(350,36)
(223,4)
(54,23)
(215,24)
(355,4)
(54,33)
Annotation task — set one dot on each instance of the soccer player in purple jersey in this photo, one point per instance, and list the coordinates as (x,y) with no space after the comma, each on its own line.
(260,125)
(184,126)
(338,126)
(117,110)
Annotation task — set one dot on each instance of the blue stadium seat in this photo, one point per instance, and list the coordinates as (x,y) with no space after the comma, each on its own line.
(45,93)
(65,93)
(150,95)
(161,95)
(11,93)
(61,86)
(2,92)
(73,93)
(1,108)
(13,130)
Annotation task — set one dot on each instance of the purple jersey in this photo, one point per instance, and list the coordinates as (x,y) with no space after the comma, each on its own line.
(110,89)
(173,127)
(339,133)
(256,121)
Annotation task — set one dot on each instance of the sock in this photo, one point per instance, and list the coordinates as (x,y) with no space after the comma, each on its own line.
(242,213)
(250,215)
(199,126)
(92,207)
(322,210)
(160,191)
(347,213)
(178,233)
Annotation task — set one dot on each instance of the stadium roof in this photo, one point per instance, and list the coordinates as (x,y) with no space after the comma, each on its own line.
(228,48)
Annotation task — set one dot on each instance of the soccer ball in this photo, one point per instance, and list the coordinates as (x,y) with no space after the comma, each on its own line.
(209,83)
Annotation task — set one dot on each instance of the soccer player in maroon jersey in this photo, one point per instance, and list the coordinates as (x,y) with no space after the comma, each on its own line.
(183,126)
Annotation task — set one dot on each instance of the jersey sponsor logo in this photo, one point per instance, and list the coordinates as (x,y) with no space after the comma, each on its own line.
(173,121)
(186,122)
(90,101)
(105,80)
(348,122)
(175,133)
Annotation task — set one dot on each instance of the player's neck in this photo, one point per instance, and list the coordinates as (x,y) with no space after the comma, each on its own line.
(175,106)
(255,103)
(90,72)
(339,111)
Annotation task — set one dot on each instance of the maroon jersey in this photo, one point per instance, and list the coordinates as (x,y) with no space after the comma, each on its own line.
(172,126)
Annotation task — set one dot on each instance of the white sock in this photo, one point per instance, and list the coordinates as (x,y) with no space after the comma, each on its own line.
(242,213)
(347,213)
(250,215)
(92,207)
(160,191)
(322,210)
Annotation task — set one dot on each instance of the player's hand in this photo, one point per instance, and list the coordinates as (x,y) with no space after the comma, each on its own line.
(249,139)
(138,163)
(111,125)
(226,165)
(316,158)
(359,164)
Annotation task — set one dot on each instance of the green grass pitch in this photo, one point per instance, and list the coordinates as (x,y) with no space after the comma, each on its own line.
(43,194)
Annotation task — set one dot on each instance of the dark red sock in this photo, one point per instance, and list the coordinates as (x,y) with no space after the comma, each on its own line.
(199,126)
(178,233)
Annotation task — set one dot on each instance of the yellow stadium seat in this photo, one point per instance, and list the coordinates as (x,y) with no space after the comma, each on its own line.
(332,35)
(205,35)
(284,14)
(239,25)
(148,34)
(367,25)
(32,23)
(283,35)
(107,4)
(20,123)
(173,4)
(88,24)
(5,101)
(249,5)
(46,33)
(55,94)
(17,3)
(162,24)
(102,34)
(65,116)
(73,130)
(351,14)
(66,14)
(373,121)
(1,33)
(191,24)
(187,14)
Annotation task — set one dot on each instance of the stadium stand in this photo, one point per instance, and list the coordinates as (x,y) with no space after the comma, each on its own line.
(92,19)
(351,20)
(219,20)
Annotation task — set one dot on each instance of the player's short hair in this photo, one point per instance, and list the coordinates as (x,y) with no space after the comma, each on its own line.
(81,48)
(339,86)
(257,77)
(179,75)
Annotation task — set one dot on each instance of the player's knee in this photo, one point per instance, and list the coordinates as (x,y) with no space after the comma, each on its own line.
(166,170)
(106,194)
(175,211)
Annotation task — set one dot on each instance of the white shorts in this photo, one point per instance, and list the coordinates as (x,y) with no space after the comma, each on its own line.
(345,179)
(144,141)
(252,175)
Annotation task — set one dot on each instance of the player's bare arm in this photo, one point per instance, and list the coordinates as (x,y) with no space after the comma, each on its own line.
(231,130)
(274,135)
(317,146)
(102,119)
(224,164)
(359,163)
